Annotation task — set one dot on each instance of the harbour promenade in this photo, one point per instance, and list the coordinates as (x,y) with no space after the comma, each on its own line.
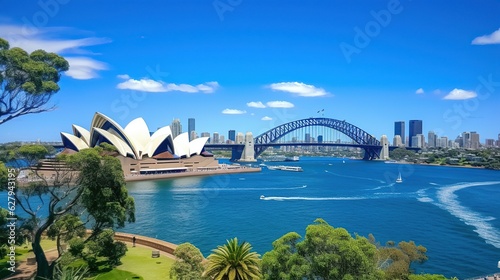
(26,269)
(197,172)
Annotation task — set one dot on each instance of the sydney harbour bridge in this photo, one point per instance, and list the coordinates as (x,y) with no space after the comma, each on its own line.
(320,127)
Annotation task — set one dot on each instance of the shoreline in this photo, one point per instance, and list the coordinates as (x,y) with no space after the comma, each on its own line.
(220,171)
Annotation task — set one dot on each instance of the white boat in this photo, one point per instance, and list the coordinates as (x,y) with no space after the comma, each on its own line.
(285,168)
(262,197)
(399,179)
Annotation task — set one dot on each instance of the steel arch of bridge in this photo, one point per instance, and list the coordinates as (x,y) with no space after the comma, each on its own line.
(357,134)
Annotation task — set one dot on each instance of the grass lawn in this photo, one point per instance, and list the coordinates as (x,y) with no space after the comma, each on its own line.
(138,261)
(22,253)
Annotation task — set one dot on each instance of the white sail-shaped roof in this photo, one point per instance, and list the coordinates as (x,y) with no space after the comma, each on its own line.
(181,144)
(132,141)
(196,146)
(76,142)
(81,133)
(123,148)
(138,133)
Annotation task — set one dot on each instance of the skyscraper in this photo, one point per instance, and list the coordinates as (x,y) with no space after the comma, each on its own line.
(431,139)
(191,127)
(415,128)
(399,129)
(215,139)
(176,127)
(231,135)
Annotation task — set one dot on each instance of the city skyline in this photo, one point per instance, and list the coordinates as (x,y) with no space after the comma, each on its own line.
(251,67)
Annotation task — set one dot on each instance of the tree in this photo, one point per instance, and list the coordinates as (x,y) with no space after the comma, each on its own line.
(4,176)
(325,253)
(104,245)
(79,179)
(233,261)
(188,264)
(28,81)
(66,228)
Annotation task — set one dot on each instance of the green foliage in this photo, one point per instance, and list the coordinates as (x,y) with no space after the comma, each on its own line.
(32,153)
(104,245)
(4,176)
(427,277)
(76,246)
(233,261)
(402,153)
(188,264)
(325,253)
(27,81)
(104,194)
(71,273)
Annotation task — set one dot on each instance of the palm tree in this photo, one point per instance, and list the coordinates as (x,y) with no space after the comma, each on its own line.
(233,261)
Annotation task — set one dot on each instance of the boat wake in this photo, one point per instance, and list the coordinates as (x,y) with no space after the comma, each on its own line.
(448,200)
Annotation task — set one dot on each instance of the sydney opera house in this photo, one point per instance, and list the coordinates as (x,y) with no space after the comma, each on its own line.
(140,151)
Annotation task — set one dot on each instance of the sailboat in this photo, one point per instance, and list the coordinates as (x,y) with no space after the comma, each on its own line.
(399,179)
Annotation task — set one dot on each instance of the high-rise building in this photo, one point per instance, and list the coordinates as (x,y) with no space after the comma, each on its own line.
(431,139)
(191,127)
(206,134)
(231,135)
(415,128)
(320,138)
(307,138)
(176,127)
(215,138)
(418,141)
(442,142)
(222,140)
(399,129)
(474,140)
(193,135)
(489,143)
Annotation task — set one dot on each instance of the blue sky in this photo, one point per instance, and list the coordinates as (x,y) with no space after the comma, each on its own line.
(252,65)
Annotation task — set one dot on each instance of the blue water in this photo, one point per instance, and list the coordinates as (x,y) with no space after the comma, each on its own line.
(453,212)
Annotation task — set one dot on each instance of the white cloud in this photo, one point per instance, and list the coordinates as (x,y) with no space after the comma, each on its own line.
(419,91)
(299,89)
(233,112)
(149,85)
(255,104)
(460,94)
(266,118)
(493,38)
(48,39)
(84,68)
(280,104)
(123,77)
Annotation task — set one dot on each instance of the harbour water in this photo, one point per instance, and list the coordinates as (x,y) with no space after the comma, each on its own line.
(453,212)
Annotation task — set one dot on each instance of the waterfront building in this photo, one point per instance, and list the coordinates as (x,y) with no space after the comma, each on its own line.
(470,140)
(431,139)
(399,129)
(418,141)
(176,127)
(139,151)
(231,135)
(442,142)
(415,128)
(489,143)
(191,127)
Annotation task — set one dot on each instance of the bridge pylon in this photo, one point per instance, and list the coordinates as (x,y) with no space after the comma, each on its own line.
(248,154)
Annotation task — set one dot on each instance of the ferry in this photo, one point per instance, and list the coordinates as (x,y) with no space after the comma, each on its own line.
(285,168)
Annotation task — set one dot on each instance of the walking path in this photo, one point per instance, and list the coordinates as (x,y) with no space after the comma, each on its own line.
(25,271)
